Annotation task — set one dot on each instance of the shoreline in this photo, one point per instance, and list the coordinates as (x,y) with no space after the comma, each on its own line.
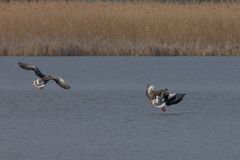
(119,29)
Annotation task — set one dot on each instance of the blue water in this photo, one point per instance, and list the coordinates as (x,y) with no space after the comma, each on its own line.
(106,115)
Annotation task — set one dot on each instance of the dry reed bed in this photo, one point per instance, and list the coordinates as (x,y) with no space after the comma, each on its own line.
(78,28)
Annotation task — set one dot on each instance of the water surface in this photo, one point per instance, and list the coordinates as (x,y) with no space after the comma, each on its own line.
(106,115)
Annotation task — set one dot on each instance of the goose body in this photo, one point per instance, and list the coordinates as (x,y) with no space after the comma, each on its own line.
(162,98)
(152,94)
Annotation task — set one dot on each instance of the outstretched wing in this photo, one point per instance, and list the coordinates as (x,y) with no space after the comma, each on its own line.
(152,94)
(148,94)
(58,80)
(175,98)
(31,67)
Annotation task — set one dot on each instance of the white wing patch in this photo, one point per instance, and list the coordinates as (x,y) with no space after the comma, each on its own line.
(39,84)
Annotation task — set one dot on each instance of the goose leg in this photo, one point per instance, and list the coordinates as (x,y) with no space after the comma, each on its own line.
(163,109)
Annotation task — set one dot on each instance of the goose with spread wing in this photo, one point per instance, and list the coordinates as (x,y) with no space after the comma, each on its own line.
(43,79)
(162,98)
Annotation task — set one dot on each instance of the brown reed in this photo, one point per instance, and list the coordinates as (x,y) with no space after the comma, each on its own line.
(80,28)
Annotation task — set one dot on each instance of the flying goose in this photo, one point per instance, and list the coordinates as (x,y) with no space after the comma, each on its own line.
(162,98)
(42,81)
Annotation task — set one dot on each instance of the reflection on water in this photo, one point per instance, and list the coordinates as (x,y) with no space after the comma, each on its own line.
(106,115)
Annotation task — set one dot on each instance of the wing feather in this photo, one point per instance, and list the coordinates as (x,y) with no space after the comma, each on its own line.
(31,67)
(152,95)
(146,92)
(58,80)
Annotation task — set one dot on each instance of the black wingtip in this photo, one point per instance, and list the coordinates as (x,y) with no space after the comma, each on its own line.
(23,65)
(20,64)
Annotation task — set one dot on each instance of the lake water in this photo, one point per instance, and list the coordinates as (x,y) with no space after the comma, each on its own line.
(106,115)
